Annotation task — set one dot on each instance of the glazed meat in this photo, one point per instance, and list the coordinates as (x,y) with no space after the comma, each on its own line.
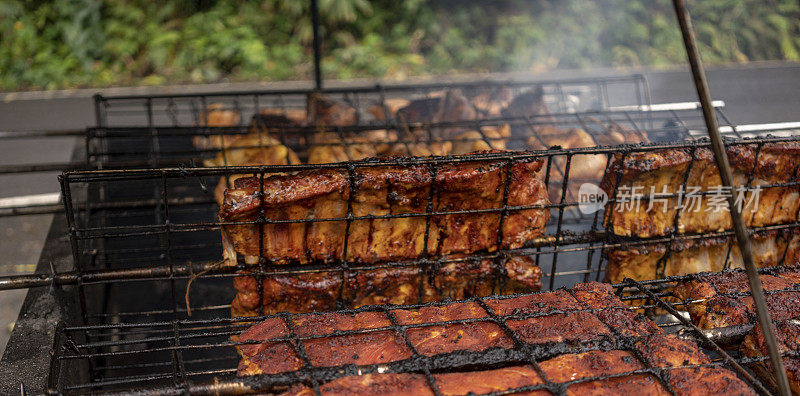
(583,168)
(390,190)
(447,107)
(788,336)
(491,101)
(723,299)
(665,170)
(322,291)
(690,256)
(529,104)
(562,316)
(328,147)
(448,384)
(368,337)
(252,149)
(323,111)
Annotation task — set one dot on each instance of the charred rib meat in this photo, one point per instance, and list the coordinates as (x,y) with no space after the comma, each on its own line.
(322,290)
(722,299)
(368,337)
(688,256)
(390,190)
(666,171)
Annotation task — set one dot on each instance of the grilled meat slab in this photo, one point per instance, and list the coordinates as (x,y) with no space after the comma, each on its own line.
(321,291)
(593,372)
(773,163)
(687,256)
(788,336)
(583,168)
(560,316)
(722,299)
(391,190)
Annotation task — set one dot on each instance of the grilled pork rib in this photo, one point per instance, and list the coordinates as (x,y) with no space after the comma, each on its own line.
(722,299)
(569,316)
(776,163)
(390,190)
(788,336)
(321,291)
(687,256)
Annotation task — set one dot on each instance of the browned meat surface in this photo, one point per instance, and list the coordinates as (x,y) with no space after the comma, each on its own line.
(384,345)
(707,381)
(323,194)
(529,104)
(399,285)
(282,124)
(777,163)
(329,147)
(323,111)
(252,149)
(721,300)
(450,106)
(577,370)
(700,255)
(581,373)
(788,336)
(449,384)
(583,168)
(216,115)
(388,109)
(490,102)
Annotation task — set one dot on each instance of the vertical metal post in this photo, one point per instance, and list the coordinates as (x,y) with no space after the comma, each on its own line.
(726,175)
(316,44)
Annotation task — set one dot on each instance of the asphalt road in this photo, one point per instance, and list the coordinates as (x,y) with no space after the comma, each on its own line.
(753,94)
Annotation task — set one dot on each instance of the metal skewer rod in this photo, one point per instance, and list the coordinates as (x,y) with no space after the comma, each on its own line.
(721,158)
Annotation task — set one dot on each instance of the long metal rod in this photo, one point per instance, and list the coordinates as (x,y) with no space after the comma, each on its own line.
(316,44)
(726,175)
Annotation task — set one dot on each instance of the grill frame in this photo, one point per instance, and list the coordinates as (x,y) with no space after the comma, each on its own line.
(60,276)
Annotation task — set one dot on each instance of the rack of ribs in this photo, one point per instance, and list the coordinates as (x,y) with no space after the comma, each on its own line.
(586,313)
(583,168)
(788,336)
(380,191)
(325,291)
(773,200)
(717,300)
(664,171)
(688,256)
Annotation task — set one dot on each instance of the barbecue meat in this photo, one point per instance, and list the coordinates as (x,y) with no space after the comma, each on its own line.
(449,384)
(320,291)
(323,111)
(529,104)
(216,115)
(249,150)
(329,147)
(282,124)
(564,317)
(388,109)
(776,163)
(491,101)
(583,168)
(577,370)
(722,299)
(788,336)
(324,193)
(449,107)
(689,256)
(369,337)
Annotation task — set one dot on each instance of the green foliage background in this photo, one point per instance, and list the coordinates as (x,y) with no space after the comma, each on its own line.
(72,43)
